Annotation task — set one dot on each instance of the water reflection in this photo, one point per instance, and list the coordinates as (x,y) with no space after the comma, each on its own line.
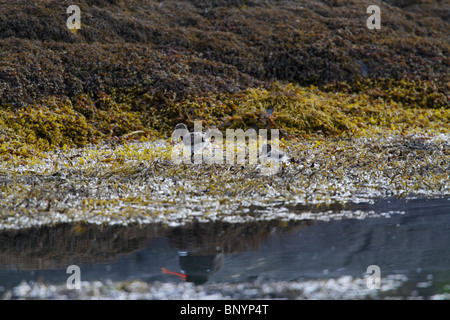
(197,267)
(416,243)
(105,251)
(65,244)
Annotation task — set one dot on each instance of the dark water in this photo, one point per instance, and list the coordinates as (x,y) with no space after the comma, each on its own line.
(415,244)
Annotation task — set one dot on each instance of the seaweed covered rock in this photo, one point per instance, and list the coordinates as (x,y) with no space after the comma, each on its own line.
(146,65)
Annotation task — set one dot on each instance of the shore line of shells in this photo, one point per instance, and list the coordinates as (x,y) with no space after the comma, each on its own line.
(138,183)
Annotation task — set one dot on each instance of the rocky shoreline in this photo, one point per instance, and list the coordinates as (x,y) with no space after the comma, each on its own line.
(138,183)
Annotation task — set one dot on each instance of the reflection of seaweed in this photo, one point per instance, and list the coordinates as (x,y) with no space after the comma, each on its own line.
(65,244)
(225,237)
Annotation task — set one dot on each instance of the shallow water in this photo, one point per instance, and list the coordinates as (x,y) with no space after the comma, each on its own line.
(414,242)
